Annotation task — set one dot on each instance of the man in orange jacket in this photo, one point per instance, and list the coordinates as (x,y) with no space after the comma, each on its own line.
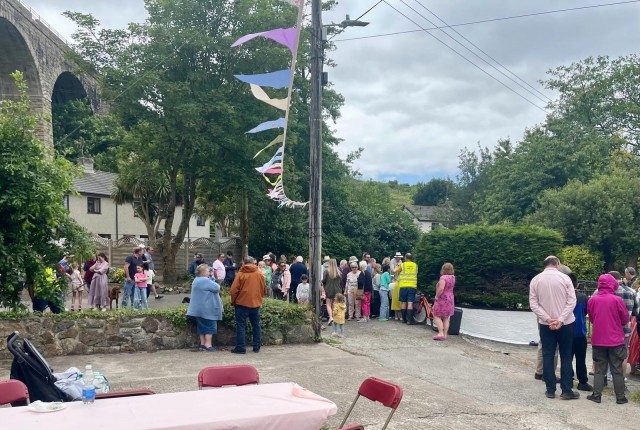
(247,291)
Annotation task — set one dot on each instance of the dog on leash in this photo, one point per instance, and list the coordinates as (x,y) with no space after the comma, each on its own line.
(114,294)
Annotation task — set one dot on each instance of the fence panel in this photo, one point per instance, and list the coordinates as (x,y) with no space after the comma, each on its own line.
(118,250)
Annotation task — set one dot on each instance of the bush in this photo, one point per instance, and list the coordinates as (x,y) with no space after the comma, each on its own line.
(584,263)
(116,275)
(494,263)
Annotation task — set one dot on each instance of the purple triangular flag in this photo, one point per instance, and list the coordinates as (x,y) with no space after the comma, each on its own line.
(284,36)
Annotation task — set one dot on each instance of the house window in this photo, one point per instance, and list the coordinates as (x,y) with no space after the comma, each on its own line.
(434,225)
(105,235)
(65,201)
(144,236)
(93,205)
(200,220)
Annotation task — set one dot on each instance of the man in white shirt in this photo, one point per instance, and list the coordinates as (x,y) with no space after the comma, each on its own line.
(218,269)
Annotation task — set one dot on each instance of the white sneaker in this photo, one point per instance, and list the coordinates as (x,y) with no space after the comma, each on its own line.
(362,320)
(334,334)
(341,335)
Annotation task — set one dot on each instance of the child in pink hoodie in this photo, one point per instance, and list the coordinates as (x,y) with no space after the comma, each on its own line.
(608,315)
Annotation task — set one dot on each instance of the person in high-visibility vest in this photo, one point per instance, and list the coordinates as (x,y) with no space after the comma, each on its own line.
(407,273)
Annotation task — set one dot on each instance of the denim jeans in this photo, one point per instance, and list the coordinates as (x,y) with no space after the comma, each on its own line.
(563,339)
(384,304)
(242,313)
(140,298)
(128,293)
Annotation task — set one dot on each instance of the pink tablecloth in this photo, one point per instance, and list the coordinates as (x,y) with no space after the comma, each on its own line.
(260,407)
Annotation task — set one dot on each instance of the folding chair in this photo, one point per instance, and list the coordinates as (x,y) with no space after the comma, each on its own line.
(14,392)
(377,390)
(220,376)
(125,393)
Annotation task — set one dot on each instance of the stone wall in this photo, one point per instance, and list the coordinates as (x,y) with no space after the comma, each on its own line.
(124,333)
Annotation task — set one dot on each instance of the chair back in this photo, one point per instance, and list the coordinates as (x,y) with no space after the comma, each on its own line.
(125,393)
(13,391)
(378,390)
(220,376)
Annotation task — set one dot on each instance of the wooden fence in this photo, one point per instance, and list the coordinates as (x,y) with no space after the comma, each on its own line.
(118,250)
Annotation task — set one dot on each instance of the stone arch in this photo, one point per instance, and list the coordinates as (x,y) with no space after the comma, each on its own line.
(16,55)
(67,87)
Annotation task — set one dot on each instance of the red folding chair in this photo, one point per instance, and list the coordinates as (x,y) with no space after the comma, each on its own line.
(220,376)
(377,390)
(13,391)
(125,393)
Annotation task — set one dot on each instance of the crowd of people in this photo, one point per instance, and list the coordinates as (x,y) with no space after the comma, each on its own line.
(92,277)
(351,290)
(562,310)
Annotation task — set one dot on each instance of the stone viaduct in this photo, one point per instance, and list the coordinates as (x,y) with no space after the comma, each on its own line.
(31,46)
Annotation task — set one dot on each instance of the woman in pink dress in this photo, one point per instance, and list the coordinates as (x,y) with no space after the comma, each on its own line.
(443,308)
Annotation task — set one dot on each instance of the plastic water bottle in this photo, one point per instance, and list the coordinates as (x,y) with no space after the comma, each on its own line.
(88,388)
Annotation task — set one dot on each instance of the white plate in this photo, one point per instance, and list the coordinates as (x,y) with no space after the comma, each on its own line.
(48,407)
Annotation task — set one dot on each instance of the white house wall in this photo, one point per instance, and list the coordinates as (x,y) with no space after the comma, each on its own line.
(128,225)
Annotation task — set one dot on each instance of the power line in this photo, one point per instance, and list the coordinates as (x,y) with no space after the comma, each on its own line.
(488,56)
(504,18)
(465,58)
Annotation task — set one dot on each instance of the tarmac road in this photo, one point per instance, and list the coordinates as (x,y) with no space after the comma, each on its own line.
(462,383)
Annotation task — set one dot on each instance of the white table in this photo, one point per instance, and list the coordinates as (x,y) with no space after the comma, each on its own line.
(260,407)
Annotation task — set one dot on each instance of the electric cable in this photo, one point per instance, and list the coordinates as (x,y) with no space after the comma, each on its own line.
(476,55)
(504,18)
(485,53)
(465,58)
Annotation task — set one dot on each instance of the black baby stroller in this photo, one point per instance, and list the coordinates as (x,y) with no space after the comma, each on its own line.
(30,367)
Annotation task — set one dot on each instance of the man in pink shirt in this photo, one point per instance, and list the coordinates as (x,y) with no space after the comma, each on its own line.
(552,298)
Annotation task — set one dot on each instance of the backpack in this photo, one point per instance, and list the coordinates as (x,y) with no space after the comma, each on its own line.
(276,281)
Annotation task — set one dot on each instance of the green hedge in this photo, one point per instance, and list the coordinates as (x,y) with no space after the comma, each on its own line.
(493,263)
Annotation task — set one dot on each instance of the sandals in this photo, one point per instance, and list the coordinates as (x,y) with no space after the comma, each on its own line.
(437,337)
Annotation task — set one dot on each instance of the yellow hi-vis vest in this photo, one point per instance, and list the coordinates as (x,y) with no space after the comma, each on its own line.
(408,278)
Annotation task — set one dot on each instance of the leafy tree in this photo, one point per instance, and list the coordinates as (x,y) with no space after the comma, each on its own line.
(434,192)
(603,214)
(36,229)
(600,94)
(77,132)
(181,105)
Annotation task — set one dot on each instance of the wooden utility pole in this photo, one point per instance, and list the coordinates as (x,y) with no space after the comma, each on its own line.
(315,206)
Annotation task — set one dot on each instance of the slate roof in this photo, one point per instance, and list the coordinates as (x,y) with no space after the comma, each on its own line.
(97,183)
(421,213)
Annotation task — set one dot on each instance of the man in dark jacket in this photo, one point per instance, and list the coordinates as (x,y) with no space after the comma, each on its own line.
(230,268)
(297,269)
(247,292)
(580,336)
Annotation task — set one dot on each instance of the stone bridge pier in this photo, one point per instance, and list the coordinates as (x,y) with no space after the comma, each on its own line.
(31,46)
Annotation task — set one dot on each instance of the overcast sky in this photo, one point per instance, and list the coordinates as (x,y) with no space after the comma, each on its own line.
(411,102)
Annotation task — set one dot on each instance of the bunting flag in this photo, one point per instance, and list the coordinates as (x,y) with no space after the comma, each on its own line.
(279,79)
(259,93)
(273,170)
(284,36)
(279,139)
(268,125)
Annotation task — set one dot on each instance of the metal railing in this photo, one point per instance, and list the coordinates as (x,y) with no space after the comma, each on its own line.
(36,17)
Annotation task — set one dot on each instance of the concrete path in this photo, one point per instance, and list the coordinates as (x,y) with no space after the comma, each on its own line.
(462,383)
